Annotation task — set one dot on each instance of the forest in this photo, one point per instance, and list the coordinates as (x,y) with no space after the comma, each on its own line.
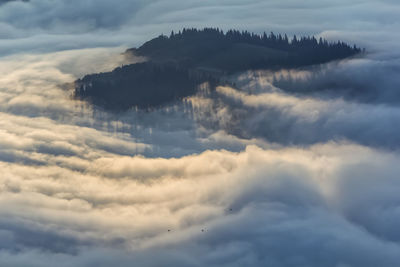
(235,51)
(142,85)
(177,64)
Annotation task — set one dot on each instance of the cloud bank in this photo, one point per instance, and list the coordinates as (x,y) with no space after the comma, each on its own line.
(282,207)
(288,168)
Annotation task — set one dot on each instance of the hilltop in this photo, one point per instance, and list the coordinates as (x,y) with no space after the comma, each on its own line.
(178,63)
(236,51)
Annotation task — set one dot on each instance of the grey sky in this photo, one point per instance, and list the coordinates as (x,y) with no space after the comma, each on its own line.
(53,25)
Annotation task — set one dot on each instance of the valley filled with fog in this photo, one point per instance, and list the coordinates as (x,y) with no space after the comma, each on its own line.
(290,167)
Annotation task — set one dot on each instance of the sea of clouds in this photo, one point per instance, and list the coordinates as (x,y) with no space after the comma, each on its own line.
(287,168)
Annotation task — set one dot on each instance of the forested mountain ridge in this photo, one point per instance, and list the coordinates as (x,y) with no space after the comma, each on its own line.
(179,63)
(142,85)
(240,51)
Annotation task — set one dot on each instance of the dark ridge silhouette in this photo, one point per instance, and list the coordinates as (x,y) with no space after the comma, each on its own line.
(179,63)
(235,51)
(144,85)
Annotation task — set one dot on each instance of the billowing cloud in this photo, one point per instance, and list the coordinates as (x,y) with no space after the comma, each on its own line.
(287,168)
(77,188)
(244,208)
(287,119)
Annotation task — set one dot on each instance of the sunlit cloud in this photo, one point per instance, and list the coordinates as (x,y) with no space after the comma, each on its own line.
(290,167)
(126,202)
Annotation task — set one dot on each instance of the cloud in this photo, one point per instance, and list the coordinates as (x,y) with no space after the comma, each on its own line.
(304,107)
(76,185)
(43,25)
(84,15)
(290,168)
(7,1)
(356,99)
(251,205)
(367,80)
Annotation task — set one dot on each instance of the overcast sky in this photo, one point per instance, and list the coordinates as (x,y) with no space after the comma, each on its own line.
(60,24)
(292,168)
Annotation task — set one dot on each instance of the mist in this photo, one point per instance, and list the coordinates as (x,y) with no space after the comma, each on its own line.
(293,167)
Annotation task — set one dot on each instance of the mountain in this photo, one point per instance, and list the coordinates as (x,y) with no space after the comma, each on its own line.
(142,85)
(179,63)
(236,51)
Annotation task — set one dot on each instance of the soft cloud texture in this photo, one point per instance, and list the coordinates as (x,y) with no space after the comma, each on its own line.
(286,119)
(282,207)
(289,168)
(43,25)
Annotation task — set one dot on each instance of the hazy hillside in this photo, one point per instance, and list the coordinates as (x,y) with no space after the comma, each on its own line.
(143,85)
(179,63)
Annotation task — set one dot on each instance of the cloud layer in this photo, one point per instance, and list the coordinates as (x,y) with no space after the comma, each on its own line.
(281,207)
(289,168)
(43,25)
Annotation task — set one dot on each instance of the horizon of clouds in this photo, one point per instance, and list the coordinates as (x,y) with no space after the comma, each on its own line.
(289,168)
(300,199)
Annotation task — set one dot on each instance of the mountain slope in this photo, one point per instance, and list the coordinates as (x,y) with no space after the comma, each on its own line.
(179,63)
